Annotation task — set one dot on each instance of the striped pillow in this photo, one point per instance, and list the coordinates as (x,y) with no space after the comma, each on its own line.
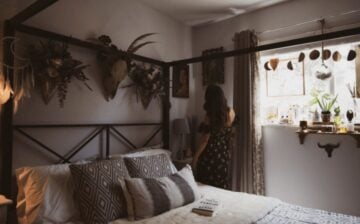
(147,197)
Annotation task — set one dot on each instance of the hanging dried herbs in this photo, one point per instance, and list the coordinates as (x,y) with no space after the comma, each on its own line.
(148,82)
(54,69)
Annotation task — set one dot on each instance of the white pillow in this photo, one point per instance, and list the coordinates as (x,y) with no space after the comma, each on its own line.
(46,195)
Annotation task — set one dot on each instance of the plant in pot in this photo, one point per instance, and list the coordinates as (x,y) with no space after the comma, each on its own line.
(325,102)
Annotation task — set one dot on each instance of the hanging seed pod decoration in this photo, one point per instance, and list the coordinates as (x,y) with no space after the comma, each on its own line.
(336,56)
(274,62)
(290,66)
(301,57)
(54,69)
(326,54)
(266,66)
(351,55)
(314,54)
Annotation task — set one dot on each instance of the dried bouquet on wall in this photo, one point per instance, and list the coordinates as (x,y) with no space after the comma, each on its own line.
(54,69)
(148,82)
(115,65)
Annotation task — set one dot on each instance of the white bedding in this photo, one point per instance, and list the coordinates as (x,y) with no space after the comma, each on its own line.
(239,208)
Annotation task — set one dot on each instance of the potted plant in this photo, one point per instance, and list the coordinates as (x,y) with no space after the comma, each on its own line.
(325,102)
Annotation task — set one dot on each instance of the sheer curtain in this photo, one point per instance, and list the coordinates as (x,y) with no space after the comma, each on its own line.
(248,164)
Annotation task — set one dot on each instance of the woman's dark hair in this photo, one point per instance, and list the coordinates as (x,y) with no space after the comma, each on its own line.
(216,107)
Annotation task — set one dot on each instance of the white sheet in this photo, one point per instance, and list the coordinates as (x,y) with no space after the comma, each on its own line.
(239,208)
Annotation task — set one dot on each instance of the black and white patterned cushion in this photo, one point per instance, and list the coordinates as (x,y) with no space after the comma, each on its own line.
(149,166)
(98,191)
(147,197)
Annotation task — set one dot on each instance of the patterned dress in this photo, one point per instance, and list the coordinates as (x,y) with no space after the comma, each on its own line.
(213,164)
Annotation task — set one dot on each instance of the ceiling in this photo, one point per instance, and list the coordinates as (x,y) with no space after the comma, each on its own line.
(198,12)
(190,12)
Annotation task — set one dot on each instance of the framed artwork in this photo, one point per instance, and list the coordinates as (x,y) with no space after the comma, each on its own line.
(180,81)
(285,82)
(213,70)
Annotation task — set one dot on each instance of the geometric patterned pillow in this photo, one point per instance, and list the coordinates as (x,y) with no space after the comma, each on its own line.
(98,192)
(153,166)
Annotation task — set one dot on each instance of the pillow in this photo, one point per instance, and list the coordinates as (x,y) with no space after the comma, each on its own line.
(98,192)
(147,152)
(149,166)
(149,197)
(46,193)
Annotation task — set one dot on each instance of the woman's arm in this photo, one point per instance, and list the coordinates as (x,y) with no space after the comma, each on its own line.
(202,145)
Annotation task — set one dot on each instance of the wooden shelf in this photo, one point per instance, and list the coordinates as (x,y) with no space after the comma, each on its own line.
(329,148)
(302,135)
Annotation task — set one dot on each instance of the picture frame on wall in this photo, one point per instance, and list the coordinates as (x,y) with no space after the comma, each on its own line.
(180,81)
(213,71)
(285,82)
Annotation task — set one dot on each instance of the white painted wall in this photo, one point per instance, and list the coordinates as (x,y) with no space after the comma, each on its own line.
(294,173)
(304,175)
(123,21)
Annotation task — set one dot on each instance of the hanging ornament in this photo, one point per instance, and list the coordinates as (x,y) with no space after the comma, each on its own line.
(274,62)
(314,54)
(326,54)
(301,57)
(323,72)
(266,66)
(290,66)
(336,56)
(351,55)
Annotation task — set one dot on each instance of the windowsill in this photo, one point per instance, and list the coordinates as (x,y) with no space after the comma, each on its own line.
(281,125)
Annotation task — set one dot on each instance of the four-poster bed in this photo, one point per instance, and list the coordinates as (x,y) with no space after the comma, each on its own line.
(15,24)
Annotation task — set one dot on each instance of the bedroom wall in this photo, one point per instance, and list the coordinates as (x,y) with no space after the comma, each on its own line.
(295,173)
(123,21)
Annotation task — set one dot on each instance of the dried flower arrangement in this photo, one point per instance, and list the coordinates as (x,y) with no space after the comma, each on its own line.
(148,82)
(115,65)
(54,69)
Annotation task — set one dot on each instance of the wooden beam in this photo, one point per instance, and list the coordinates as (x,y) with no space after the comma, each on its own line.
(80,43)
(166,105)
(282,44)
(6,134)
(32,10)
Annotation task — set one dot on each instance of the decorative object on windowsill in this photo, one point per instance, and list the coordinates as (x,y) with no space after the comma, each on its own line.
(22,73)
(54,69)
(303,125)
(325,102)
(181,127)
(213,70)
(323,71)
(337,118)
(115,65)
(148,82)
(350,116)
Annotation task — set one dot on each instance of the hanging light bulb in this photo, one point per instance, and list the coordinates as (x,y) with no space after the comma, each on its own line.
(323,71)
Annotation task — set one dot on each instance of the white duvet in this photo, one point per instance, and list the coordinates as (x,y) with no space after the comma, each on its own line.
(239,208)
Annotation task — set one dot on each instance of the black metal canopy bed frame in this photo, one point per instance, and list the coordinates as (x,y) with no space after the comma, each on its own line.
(15,24)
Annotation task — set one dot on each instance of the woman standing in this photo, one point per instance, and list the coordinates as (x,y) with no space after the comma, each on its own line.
(212,157)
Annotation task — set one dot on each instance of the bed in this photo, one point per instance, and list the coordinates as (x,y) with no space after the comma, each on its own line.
(47,194)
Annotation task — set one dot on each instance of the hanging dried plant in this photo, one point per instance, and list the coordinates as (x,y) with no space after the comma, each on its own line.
(148,82)
(54,69)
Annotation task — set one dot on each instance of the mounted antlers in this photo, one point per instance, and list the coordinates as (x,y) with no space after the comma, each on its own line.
(329,148)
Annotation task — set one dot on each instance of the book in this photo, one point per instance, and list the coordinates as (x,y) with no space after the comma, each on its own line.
(206,207)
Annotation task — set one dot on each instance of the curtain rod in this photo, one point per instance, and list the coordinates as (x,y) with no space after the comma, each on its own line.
(282,44)
(311,21)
